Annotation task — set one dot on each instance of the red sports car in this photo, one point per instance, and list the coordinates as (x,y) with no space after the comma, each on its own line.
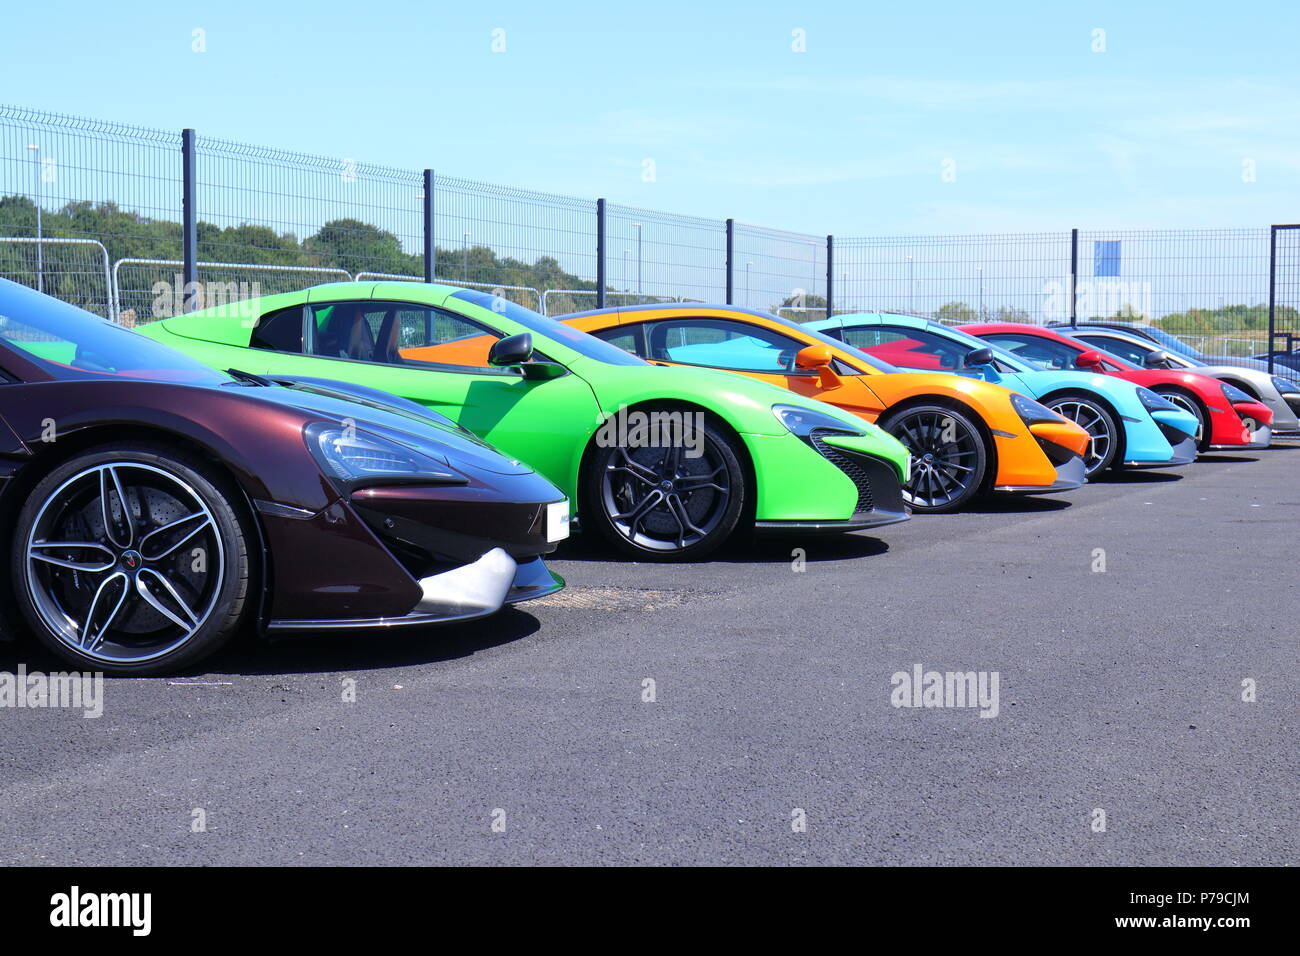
(1229,418)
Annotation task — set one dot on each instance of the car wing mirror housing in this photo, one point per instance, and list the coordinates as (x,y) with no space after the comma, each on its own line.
(818,358)
(1090,359)
(512,350)
(1157,359)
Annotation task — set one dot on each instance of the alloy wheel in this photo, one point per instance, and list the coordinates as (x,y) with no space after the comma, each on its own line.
(662,499)
(124,562)
(1100,437)
(945,454)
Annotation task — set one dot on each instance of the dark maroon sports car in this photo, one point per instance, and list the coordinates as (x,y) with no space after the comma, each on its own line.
(149,507)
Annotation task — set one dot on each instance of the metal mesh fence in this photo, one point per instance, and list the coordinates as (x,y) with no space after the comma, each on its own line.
(1021,277)
(1207,286)
(655,256)
(775,270)
(274,207)
(74,270)
(1284,348)
(499,236)
(64,177)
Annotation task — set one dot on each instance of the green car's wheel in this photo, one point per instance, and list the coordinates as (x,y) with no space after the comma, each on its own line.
(948,456)
(665,503)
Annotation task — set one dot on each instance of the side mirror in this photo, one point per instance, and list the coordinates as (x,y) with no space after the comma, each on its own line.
(813,357)
(1157,359)
(818,358)
(1090,359)
(512,350)
(977,357)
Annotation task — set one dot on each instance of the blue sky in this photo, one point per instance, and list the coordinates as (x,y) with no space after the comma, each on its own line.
(852,136)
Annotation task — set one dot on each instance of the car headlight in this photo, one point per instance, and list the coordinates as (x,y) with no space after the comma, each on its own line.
(804,421)
(1031,412)
(353,456)
(1286,386)
(1233,394)
(1153,402)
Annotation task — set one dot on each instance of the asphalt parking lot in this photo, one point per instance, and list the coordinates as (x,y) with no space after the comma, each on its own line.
(1118,690)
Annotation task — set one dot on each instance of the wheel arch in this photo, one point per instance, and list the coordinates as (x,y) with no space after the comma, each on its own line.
(956,404)
(45,459)
(1121,435)
(744,453)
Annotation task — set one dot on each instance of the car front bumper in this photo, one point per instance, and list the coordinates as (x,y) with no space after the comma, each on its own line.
(1070,475)
(470,591)
(1184,453)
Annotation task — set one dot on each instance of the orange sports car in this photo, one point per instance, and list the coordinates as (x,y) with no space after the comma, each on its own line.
(966,436)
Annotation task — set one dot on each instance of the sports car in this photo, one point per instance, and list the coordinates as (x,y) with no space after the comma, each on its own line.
(1281,393)
(151,506)
(665,463)
(965,436)
(1226,417)
(1130,426)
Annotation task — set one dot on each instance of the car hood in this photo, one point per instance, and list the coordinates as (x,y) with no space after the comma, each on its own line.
(401,421)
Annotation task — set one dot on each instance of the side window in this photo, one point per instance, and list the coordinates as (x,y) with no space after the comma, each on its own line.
(279,331)
(909,348)
(628,339)
(721,343)
(1037,350)
(398,333)
(1125,350)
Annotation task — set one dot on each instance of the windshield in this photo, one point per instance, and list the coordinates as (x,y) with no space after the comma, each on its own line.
(70,343)
(581,342)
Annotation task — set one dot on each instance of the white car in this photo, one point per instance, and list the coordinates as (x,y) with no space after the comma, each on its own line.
(1135,344)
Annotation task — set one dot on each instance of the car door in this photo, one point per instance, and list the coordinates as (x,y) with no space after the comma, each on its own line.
(438,358)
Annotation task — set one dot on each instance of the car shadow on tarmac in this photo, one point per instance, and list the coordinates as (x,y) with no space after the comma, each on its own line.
(323,652)
(745,549)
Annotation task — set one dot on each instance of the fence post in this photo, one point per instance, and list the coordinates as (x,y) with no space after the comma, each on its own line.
(189,220)
(1074,278)
(1272,294)
(830,276)
(600,253)
(731,260)
(430,248)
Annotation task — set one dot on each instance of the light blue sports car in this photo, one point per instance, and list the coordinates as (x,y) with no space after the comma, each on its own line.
(1131,426)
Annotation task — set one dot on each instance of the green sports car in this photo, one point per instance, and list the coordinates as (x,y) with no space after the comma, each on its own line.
(666,463)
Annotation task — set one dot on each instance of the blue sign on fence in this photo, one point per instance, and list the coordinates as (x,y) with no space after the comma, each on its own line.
(1105,257)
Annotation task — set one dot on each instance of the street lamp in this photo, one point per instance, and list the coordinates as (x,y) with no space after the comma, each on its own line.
(980,272)
(637,227)
(911,287)
(40,257)
(464,258)
(626,252)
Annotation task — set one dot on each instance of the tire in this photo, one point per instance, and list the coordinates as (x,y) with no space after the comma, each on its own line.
(1193,405)
(949,456)
(660,503)
(146,589)
(1096,418)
